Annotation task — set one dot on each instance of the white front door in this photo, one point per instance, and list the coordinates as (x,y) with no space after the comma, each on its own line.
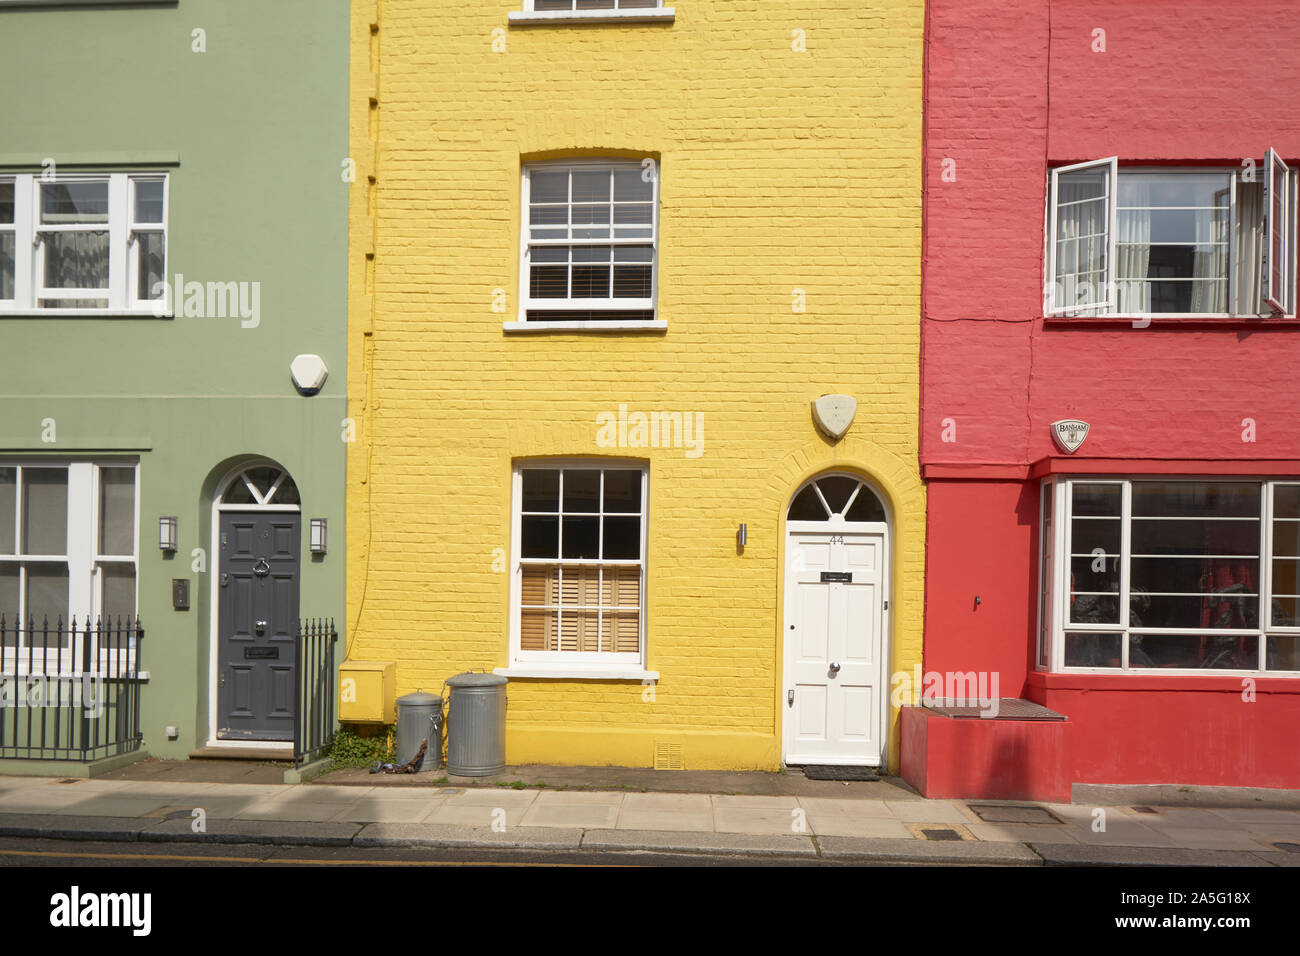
(834,681)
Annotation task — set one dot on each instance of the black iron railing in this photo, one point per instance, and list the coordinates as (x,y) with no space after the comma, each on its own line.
(313,719)
(69,691)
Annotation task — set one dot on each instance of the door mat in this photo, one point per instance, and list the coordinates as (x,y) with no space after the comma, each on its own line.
(817,772)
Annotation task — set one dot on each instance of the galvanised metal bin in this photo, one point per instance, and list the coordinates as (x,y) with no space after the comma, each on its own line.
(419,719)
(476,725)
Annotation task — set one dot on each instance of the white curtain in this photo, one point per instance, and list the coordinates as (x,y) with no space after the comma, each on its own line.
(1249,240)
(1081,239)
(1212,227)
(1133,251)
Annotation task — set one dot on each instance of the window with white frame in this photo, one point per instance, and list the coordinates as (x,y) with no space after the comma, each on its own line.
(83,243)
(1161,575)
(68,546)
(579,564)
(594,8)
(590,242)
(1197,241)
(581,6)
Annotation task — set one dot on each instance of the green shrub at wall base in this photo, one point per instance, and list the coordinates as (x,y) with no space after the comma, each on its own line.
(363,747)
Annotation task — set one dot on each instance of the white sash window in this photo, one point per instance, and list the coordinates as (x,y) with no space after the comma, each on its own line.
(83,243)
(579,565)
(590,243)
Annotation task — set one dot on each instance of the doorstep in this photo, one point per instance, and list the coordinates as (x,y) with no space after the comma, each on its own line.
(242,753)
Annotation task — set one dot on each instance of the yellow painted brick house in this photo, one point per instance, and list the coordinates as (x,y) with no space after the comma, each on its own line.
(605,256)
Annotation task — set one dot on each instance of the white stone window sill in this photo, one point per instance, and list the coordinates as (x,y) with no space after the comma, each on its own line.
(68,3)
(536,18)
(82,314)
(577,672)
(654,325)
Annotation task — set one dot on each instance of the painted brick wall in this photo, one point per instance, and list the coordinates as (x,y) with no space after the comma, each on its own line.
(1185,82)
(780,170)
(1179,83)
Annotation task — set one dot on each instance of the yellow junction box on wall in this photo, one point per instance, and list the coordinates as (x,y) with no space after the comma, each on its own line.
(368,692)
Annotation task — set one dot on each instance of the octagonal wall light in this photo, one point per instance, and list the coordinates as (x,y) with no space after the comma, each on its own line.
(308,373)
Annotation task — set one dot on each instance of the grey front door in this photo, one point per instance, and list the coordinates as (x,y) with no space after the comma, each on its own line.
(257,625)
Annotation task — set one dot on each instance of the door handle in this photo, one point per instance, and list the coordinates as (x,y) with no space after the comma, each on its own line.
(789,698)
(835,668)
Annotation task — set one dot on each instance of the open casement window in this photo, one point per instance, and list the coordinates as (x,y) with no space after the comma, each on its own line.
(1167,575)
(69,549)
(1080,267)
(82,243)
(589,242)
(579,571)
(1198,242)
(1279,289)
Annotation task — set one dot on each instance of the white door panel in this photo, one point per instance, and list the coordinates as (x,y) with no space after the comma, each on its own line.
(834,616)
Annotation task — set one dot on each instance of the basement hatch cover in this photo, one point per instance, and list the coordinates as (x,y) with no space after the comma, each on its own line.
(1003,813)
(1009,708)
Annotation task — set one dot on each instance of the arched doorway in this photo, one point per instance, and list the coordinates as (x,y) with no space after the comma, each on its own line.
(836,625)
(257,536)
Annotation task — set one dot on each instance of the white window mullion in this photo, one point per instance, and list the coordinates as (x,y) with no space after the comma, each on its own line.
(1125,552)
(600,521)
(119,210)
(19,549)
(516,567)
(1110,275)
(22,232)
(81,545)
(642,593)
(25,197)
(1265,577)
(1230,303)
(1060,573)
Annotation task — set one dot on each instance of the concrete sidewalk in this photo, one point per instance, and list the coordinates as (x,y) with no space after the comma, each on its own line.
(905,829)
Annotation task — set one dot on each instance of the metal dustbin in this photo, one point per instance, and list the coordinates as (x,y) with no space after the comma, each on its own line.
(419,719)
(476,725)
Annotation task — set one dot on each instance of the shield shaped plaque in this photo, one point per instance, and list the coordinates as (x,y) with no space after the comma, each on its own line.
(1069,434)
(834,414)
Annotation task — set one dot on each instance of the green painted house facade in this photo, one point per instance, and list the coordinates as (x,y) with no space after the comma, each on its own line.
(173,296)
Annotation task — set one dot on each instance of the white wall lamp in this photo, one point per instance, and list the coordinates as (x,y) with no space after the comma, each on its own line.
(167,534)
(317,535)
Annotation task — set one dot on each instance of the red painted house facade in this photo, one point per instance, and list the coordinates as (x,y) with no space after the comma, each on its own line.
(1110,239)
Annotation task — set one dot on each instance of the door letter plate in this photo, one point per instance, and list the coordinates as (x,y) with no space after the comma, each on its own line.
(261,653)
(844,576)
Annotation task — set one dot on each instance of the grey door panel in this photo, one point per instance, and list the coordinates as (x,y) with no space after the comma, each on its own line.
(257,624)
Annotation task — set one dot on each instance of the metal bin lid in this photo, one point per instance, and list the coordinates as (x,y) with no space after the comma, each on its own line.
(472,679)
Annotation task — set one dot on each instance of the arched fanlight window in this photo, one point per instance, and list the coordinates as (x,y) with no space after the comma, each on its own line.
(261,485)
(836,496)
